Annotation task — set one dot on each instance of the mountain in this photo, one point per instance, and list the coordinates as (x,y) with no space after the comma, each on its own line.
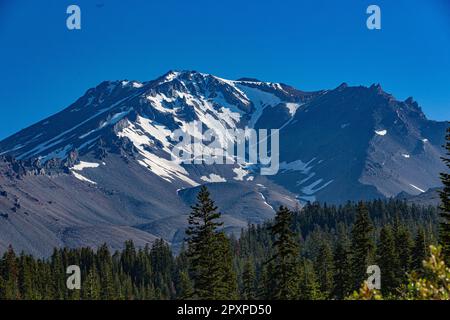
(101,169)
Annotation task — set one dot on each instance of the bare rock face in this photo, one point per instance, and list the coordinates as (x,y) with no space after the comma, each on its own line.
(101,171)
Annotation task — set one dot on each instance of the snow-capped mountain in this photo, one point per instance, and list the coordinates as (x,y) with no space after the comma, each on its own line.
(101,170)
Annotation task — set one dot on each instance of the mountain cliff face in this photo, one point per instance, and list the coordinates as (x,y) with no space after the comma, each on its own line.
(101,170)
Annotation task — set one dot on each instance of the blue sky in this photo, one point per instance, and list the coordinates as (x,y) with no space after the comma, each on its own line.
(308,44)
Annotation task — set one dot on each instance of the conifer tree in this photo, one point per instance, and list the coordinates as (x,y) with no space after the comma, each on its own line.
(248,281)
(26,277)
(323,265)
(308,285)
(285,257)
(186,289)
(91,286)
(267,283)
(342,267)
(403,246)
(10,275)
(227,285)
(208,251)
(362,245)
(387,261)
(420,251)
(444,228)
(104,262)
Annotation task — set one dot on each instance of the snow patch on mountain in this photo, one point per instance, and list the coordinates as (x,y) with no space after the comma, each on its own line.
(213,178)
(83,165)
(240,173)
(166,169)
(292,107)
(261,100)
(82,178)
(297,165)
(311,189)
(417,188)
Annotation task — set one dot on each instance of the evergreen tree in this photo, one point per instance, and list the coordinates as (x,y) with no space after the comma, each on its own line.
(444,230)
(342,267)
(362,245)
(420,251)
(387,261)
(227,284)
(267,286)
(324,268)
(248,281)
(186,289)
(104,262)
(10,274)
(285,257)
(208,251)
(26,277)
(91,286)
(308,285)
(403,247)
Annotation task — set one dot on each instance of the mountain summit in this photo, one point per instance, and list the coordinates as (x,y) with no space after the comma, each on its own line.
(100,170)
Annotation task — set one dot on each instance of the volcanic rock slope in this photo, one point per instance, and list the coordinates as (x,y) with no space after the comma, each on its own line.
(101,170)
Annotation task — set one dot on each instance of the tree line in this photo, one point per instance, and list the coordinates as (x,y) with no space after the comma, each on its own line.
(317,252)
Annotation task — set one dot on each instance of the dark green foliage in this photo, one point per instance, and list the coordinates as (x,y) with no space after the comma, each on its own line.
(444,228)
(320,245)
(342,266)
(420,250)
(248,281)
(285,257)
(403,244)
(362,245)
(388,261)
(209,252)
(324,268)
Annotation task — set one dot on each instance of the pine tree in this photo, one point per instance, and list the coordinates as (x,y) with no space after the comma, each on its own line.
(285,257)
(267,283)
(11,275)
(444,230)
(26,277)
(91,286)
(362,245)
(209,251)
(387,261)
(104,262)
(227,285)
(420,251)
(59,285)
(323,265)
(342,267)
(186,289)
(403,247)
(308,285)
(248,281)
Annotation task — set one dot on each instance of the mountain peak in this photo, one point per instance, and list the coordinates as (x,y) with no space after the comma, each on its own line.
(342,86)
(246,79)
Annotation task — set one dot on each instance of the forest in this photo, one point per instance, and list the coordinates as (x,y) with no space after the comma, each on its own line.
(315,252)
(318,252)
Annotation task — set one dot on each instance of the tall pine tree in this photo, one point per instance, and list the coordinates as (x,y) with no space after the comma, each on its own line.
(444,230)
(387,261)
(248,281)
(362,245)
(209,252)
(342,267)
(286,256)
(420,250)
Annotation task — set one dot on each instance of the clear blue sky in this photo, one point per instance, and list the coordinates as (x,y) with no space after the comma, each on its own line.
(315,44)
